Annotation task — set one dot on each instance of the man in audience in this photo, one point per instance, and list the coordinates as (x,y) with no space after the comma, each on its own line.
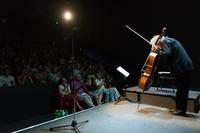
(6,79)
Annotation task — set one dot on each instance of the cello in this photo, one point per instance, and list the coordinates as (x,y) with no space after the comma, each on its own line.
(150,66)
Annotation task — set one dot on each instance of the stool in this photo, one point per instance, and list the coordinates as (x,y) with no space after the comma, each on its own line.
(165,75)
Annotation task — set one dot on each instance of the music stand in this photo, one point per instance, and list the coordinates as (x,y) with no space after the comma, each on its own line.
(74,124)
(126,74)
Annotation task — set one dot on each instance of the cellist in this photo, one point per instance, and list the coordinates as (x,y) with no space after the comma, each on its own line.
(180,64)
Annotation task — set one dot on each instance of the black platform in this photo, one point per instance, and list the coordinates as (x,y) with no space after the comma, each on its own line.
(164,97)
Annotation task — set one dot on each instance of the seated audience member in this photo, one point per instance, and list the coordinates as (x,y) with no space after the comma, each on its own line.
(109,85)
(79,87)
(41,76)
(54,74)
(93,89)
(109,94)
(24,78)
(6,79)
(65,93)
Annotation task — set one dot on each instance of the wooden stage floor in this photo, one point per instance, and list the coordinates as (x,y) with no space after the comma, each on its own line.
(123,118)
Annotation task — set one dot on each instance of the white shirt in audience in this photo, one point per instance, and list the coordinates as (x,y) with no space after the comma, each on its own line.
(7,81)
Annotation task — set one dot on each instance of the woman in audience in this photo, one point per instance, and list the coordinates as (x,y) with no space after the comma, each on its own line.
(108,93)
(24,78)
(66,95)
(110,85)
(93,89)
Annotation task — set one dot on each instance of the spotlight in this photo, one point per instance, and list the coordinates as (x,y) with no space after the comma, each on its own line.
(68,16)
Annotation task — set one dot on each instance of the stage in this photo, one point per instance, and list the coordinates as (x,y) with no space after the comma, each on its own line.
(163,98)
(123,118)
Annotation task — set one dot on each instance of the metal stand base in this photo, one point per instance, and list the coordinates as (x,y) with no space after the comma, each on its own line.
(74,126)
(125,96)
(127,99)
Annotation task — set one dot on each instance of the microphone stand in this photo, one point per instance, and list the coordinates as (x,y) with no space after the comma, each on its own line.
(74,124)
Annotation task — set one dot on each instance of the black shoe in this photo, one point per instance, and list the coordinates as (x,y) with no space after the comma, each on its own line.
(182,114)
(174,110)
(179,113)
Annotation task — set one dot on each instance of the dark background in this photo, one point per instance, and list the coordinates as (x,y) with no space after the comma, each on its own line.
(101,32)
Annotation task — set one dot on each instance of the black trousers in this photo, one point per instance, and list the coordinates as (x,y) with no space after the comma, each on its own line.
(183,81)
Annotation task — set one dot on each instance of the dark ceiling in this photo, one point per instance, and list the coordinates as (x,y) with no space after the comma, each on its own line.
(101,24)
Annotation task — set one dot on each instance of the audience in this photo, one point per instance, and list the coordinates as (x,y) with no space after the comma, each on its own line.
(44,64)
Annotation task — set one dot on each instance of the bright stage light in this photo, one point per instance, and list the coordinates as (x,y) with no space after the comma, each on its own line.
(122,71)
(67,15)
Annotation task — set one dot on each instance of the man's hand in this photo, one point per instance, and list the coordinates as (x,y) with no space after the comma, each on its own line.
(153,48)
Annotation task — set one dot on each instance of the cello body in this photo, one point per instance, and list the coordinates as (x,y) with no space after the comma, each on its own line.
(150,65)
(148,69)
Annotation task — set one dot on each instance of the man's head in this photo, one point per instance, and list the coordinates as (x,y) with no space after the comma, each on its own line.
(157,43)
(77,77)
(99,76)
(155,38)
